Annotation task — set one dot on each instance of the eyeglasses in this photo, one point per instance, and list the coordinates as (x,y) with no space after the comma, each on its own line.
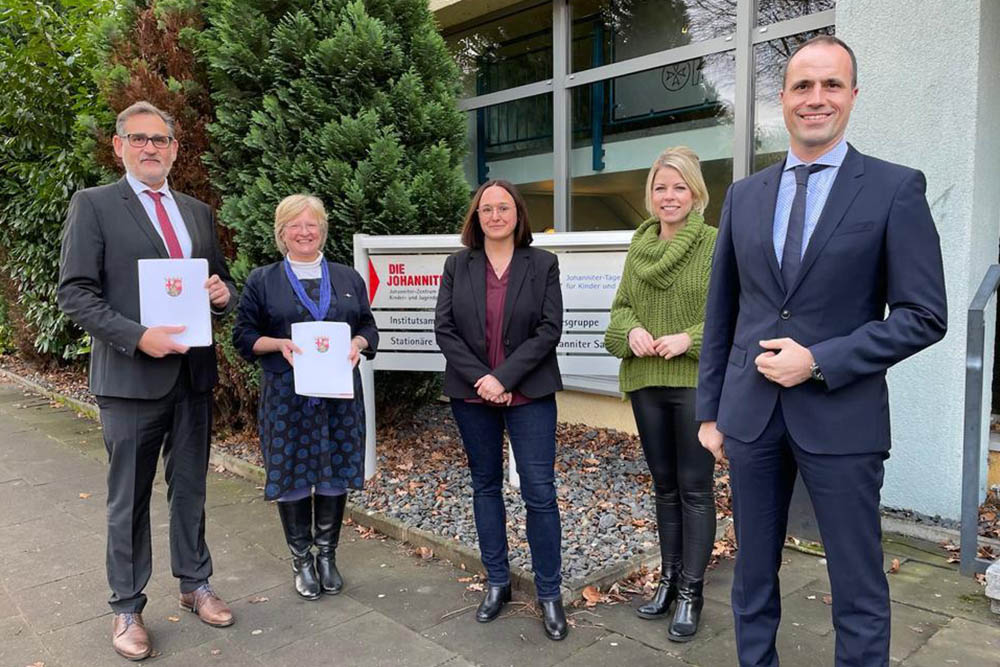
(140,140)
(502,209)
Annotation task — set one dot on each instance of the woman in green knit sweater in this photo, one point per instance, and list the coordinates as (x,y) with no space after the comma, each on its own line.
(656,325)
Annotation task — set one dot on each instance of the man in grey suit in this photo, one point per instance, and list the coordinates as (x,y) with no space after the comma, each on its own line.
(152,391)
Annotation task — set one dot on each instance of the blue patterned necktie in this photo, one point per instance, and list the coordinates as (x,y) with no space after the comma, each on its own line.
(791,256)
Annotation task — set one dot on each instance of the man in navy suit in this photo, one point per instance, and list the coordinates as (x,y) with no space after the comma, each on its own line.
(811,252)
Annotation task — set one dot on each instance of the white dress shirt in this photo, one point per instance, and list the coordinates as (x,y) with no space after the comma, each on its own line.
(170,204)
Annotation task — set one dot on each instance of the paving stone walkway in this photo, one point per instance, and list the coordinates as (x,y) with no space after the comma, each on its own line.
(396,608)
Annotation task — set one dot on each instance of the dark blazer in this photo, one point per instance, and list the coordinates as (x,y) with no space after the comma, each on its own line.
(532,323)
(875,245)
(106,232)
(267,308)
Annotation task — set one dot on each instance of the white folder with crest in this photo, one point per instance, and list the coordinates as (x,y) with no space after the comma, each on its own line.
(172,293)
(323,369)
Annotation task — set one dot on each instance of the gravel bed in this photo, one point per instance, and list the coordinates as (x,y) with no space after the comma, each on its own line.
(602,485)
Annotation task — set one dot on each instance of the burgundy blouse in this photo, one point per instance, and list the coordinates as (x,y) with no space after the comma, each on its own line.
(496,297)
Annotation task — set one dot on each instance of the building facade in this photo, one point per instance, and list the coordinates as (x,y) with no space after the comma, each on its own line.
(573,99)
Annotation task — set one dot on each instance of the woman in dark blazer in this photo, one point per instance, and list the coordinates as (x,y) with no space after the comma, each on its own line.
(313,448)
(498,321)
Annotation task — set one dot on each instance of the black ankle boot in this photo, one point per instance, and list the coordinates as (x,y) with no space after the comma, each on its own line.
(329,517)
(496,598)
(688,612)
(664,596)
(554,619)
(296,519)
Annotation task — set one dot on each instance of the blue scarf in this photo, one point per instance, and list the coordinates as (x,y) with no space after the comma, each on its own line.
(318,311)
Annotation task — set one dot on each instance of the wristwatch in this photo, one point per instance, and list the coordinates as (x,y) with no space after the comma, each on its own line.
(816,373)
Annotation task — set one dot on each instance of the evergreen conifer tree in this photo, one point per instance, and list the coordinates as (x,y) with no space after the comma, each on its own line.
(353,101)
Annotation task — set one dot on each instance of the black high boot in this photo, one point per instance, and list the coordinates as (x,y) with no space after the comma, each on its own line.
(664,596)
(296,519)
(554,619)
(329,517)
(494,600)
(688,612)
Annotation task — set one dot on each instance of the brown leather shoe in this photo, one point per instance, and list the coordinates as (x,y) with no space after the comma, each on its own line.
(209,607)
(129,637)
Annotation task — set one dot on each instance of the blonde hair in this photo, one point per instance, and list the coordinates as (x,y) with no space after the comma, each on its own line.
(290,208)
(685,161)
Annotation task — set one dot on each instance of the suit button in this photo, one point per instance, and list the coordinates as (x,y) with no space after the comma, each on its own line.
(785,314)
(506,341)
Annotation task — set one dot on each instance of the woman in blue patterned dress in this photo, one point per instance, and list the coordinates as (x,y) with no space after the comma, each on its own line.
(313,448)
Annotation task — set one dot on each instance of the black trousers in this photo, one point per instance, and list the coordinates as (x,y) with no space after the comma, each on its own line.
(683,484)
(135,432)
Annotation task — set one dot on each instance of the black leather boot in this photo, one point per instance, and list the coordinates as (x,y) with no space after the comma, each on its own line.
(329,517)
(296,519)
(664,596)
(554,619)
(496,598)
(688,613)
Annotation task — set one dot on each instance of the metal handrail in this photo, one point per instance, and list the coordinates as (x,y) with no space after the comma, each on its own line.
(975,348)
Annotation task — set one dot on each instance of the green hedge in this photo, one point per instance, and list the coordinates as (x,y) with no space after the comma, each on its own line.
(48,109)
(351,101)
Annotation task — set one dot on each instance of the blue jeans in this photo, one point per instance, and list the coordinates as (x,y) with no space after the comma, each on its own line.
(532,430)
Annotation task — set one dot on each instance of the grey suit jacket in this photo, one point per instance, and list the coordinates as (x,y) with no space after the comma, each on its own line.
(106,232)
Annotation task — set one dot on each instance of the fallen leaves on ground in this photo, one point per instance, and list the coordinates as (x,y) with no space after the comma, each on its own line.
(984,551)
(84,496)
(259,599)
(366,533)
(592,595)
(425,553)
(174,619)
(894,568)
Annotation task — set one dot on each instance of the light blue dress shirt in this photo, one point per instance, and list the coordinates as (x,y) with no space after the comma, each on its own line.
(174,213)
(817,191)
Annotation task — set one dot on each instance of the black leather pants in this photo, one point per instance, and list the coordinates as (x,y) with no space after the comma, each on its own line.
(682,477)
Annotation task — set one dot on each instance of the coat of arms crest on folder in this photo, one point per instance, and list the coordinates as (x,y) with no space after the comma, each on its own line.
(322,343)
(174,286)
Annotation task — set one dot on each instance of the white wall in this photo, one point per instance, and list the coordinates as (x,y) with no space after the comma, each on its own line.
(929,98)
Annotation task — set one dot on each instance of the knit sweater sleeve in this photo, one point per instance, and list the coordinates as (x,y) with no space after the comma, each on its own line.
(695,331)
(623,317)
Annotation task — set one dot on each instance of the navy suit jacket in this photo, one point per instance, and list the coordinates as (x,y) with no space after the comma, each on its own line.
(875,246)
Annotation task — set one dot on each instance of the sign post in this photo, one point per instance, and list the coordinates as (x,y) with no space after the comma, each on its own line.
(403,274)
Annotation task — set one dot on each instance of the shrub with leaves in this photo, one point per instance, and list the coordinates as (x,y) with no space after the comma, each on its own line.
(353,101)
(48,111)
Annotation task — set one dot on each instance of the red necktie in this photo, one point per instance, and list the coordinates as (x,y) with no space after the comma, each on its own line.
(173,245)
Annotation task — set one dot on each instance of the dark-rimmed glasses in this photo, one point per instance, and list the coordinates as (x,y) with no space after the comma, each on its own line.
(140,140)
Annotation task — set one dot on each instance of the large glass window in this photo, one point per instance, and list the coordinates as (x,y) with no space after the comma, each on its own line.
(511,50)
(621,125)
(770,135)
(609,31)
(513,142)
(774,11)
(617,126)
